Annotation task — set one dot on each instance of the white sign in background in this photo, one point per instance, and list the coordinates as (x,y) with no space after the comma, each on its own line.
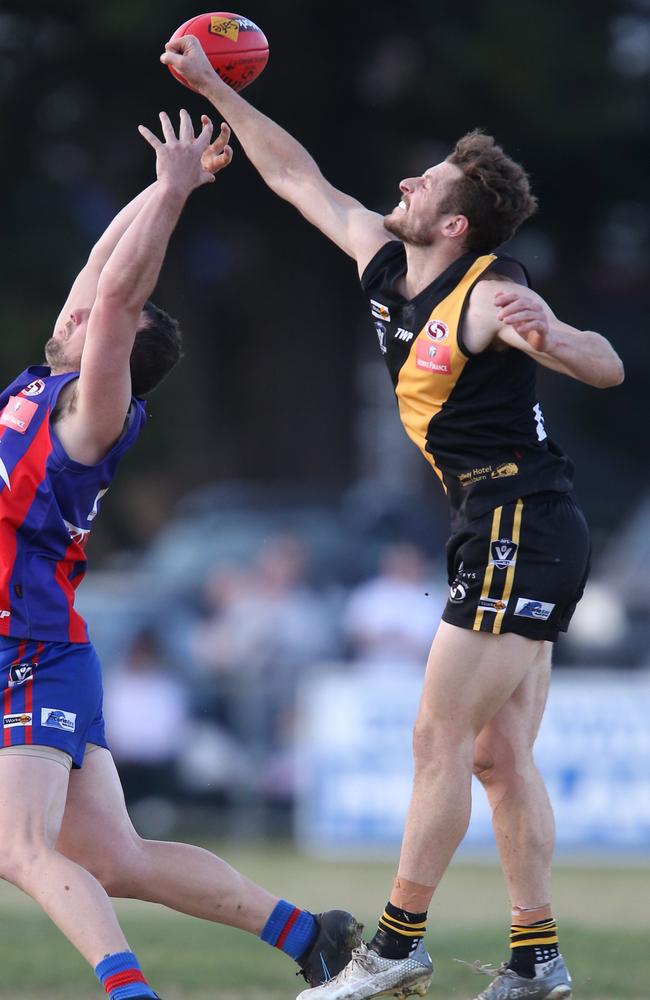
(355,761)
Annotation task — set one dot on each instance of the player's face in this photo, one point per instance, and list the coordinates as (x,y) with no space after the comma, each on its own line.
(417,218)
(64,349)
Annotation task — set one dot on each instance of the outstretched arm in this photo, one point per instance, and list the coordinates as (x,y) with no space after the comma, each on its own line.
(84,288)
(501,310)
(94,419)
(281,161)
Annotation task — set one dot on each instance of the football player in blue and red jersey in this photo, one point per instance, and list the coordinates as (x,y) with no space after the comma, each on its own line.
(66,837)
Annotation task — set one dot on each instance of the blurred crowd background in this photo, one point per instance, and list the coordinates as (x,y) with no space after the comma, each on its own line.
(274,521)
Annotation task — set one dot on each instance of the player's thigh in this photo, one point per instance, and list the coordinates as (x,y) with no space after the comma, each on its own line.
(469,677)
(32,801)
(505,742)
(96,831)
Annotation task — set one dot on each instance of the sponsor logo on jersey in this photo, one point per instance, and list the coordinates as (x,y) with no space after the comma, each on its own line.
(19,673)
(507,469)
(475,475)
(34,388)
(492,604)
(18,413)
(381,336)
(437,330)
(56,718)
(503,553)
(433,357)
(527,608)
(5,614)
(402,334)
(379,310)
(23,719)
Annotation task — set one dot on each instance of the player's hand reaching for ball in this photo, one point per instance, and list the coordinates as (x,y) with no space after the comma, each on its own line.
(179,160)
(218,154)
(187,57)
(526,315)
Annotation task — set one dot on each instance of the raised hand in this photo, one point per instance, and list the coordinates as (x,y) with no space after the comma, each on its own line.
(187,57)
(218,154)
(526,315)
(179,159)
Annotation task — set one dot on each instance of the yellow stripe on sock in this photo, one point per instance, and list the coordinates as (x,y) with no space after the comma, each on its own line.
(533,941)
(422,924)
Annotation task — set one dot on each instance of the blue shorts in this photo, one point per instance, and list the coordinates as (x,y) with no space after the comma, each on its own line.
(51,696)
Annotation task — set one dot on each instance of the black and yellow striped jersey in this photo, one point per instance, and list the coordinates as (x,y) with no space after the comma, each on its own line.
(475,417)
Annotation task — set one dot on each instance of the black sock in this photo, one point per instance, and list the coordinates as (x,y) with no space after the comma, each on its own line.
(399,932)
(531,945)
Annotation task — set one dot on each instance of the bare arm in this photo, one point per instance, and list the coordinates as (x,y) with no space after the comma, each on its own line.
(281,161)
(95,417)
(500,310)
(84,288)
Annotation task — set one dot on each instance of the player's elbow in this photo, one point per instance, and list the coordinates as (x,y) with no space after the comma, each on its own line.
(613,374)
(116,296)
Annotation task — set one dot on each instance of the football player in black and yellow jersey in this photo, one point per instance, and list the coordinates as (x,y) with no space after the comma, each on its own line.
(462,334)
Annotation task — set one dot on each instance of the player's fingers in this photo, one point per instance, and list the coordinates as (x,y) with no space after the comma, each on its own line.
(222,139)
(167,127)
(185,128)
(522,316)
(205,134)
(520,305)
(529,326)
(149,136)
(181,45)
(503,298)
(223,159)
(207,177)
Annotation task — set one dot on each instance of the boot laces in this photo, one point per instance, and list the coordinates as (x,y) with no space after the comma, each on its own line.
(488,970)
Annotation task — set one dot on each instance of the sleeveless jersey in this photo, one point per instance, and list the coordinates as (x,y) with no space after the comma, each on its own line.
(48,504)
(475,417)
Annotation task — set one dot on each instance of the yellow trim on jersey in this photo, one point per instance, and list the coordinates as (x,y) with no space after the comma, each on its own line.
(487,579)
(510,575)
(421,392)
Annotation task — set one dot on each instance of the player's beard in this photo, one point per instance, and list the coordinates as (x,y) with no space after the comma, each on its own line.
(55,353)
(409,231)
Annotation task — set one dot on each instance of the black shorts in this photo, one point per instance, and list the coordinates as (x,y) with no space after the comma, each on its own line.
(520,568)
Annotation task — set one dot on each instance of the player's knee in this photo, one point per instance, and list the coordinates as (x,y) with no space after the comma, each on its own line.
(119,869)
(434,744)
(500,761)
(20,858)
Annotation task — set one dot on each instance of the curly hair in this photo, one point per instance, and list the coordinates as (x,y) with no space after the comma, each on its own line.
(494,193)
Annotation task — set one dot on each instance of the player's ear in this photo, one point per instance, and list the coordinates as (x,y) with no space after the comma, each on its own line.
(456,226)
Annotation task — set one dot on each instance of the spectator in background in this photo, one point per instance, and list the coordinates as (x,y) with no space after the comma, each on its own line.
(392,616)
(264,617)
(147,714)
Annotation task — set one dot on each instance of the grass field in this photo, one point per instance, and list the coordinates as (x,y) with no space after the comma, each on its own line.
(604,916)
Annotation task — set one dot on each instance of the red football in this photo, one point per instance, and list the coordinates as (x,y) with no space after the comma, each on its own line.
(236,47)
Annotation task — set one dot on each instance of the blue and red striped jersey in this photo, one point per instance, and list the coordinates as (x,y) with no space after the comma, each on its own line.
(48,504)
